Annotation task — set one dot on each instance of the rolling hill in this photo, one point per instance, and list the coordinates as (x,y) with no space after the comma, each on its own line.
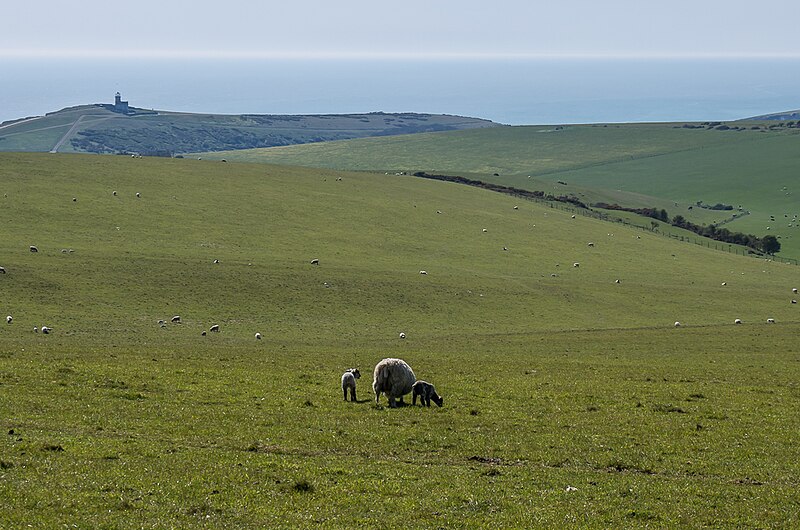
(569,396)
(669,166)
(99,129)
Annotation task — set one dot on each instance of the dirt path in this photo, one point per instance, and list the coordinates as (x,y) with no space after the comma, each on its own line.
(67,134)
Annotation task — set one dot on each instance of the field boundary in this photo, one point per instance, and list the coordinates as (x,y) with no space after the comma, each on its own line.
(580,208)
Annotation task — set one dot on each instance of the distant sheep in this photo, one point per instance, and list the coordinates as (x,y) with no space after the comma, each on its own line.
(114,193)
(794,290)
(34,249)
(214,328)
(677,324)
(138,194)
(9,318)
(176,319)
(573,216)
(393,377)
(216,262)
(349,382)
(724,284)
(46,330)
(315,261)
(402,335)
(590,244)
(258,336)
(737,321)
(426,393)
(794,301)
(576,265)
(770,321)
(35,329)
(423,272)
(2,270)
(485,230)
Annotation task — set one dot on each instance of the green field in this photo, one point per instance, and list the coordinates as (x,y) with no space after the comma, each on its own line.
(570,399)
(637,165)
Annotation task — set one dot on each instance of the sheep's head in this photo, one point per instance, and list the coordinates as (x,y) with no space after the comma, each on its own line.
(355,373)
(436,398)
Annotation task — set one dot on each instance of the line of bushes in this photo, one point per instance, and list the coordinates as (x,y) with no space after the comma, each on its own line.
(508,190)
(766,244)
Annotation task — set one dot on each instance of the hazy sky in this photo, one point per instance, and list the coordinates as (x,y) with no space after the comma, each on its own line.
(400,28)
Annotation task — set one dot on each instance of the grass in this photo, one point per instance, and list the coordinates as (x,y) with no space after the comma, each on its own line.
(567,398)
(637,165)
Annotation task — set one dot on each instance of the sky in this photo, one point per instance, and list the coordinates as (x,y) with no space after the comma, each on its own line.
(404,29)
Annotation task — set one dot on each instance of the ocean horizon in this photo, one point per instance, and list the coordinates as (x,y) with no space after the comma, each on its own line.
(509,91)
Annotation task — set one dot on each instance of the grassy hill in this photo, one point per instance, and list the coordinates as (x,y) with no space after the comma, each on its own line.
(97,129)
(568,396)
(670,166)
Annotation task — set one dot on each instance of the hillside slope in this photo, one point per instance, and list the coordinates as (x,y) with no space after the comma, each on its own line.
(97,129)
(137,260)
(670,166)
(568,396)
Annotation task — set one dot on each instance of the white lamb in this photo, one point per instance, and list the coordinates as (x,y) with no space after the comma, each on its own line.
(393,377)
(349,382)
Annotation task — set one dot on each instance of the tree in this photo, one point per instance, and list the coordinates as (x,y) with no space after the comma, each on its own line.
(770,244)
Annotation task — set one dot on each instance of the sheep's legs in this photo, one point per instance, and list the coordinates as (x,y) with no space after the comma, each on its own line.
(352,394)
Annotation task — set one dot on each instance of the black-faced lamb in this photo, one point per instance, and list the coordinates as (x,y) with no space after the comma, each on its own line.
(426,393)
(349,382)
(393,377)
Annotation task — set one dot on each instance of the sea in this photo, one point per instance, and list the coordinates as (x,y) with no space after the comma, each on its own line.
(510,91)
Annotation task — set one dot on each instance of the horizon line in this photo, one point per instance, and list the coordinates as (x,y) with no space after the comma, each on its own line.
(285,55)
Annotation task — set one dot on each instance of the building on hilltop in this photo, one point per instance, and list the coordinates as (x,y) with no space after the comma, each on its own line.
(119,105)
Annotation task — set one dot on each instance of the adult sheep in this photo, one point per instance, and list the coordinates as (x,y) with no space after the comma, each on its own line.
(349,382)
(393,377)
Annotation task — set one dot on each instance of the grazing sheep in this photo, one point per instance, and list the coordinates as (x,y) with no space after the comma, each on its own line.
(423,272)
(46,330)
(485,230)
(2,270)
(724,284)
(34,249)
(203,334)
(315,261)
(737,321)
(9,318)
(794,290)
(770,321)
(349,382)
(616,281)
(576,265)
(590,244)
(35,329)
(794,301)
(258,336)
(426,393)
(677,324)
(114,193)
(214,328)
(216,262)
(516,207)
(393,377)
(176,319)
(402,335)
(573,216)
(138,194)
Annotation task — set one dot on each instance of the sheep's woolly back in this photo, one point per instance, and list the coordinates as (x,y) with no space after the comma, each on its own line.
(393,377)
